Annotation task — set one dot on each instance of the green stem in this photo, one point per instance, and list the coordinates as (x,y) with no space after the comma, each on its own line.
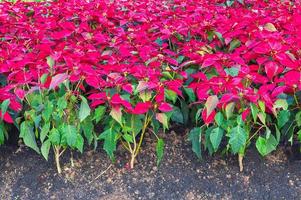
(296,99)
(146,122)
(255,133)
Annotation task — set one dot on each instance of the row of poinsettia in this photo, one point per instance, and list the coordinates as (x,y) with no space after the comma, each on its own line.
(232,70)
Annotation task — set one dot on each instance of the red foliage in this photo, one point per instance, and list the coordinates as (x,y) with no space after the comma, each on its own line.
(242,53)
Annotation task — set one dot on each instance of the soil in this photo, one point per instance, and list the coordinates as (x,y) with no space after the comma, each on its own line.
(26,175)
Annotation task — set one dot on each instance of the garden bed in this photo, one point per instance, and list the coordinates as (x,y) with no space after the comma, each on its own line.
(25,175)
(95,88)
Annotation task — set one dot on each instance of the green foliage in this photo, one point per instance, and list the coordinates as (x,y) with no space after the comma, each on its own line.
(58,119)
(160,150)
(195,138)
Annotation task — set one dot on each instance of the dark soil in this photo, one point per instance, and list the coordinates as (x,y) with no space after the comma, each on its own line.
(25,175)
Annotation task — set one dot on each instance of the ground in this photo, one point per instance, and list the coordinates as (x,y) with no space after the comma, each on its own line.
(26,175)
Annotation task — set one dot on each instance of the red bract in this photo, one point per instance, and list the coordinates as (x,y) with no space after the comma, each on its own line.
(7,118)
(141,108)
(243,53)
(165,107)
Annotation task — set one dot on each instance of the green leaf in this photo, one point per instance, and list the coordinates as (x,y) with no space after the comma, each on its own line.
(160,150)
(266,146)
(185,111)
(110,142)
(233,71)
(45,149)
(161,117)
(254,111)
(2,137)
(136,124)
(208,145)
(159,41)
(282,118)
(50,61)
(229,109)
(44,78)
(219,118)
(116,114)
(211,104)
(278,134)
(177,115)
(219,36)
(216,136)
(79,143)
(127,137)
(70,133)
(99,113)
(155,125)
(26,132)
(270,27)
(210,35)
(47,112)
(62,103)
(171,95)
(299,135)
(267,133)
(239,120)
(198,114)
(84,110)
(167,75)
(44,131)
(261,145)
(238,138)
(229,3)
(145,95)
(54,136)
(234,44)
(195,138)
(180,59)
(4,106)
(2,133)
(88,128)
(262,116)
(281,103)
(190,94)
(37,120)
(261,106)
(298,118)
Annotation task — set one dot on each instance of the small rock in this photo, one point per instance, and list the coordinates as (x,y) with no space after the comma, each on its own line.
(151,195)
(7,164)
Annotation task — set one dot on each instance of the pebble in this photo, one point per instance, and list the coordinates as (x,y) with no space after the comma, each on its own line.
(151,194)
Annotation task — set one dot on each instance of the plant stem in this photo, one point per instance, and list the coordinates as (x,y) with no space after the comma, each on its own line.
(240,159)
(136,147)
(146,122)
(127,146)
(296,99)
(255,133)
(57,159)
(132,162)
(71,159)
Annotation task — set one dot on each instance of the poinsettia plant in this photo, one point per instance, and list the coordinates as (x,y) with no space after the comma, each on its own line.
(57,116)
(230,67)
